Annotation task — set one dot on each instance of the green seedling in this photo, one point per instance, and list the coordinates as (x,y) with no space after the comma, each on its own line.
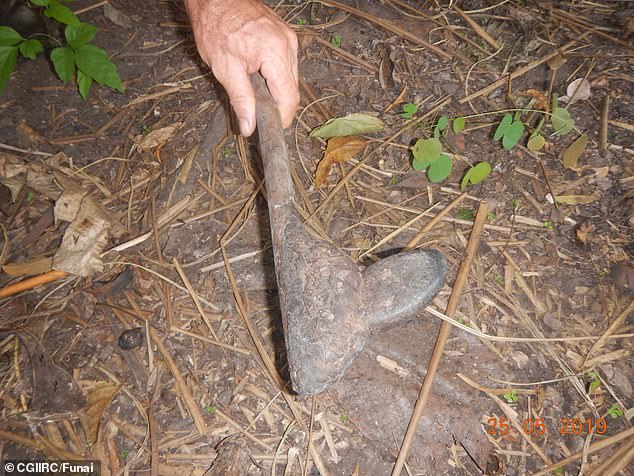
(498,279)
(511,397)
(78,60)
(441,125)
(409,109)
(561,121)
(336,41)
(517,203)
(604,274)
(510,130)
(210,409)
(428,154)
(476,174)
(465,214)
(548,224)
(343,419)
(615,412)
(393,180)
(227,152)
(301,22)
(124,454)
(595,382)
(490,216)
(458,125)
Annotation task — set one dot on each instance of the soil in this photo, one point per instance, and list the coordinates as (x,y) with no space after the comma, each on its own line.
(151,362)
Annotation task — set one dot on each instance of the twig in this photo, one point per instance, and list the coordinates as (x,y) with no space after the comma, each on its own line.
(594,447)
(31,283)
(190,403)
(431,223)
(478,29)
(517,73)
(443,335)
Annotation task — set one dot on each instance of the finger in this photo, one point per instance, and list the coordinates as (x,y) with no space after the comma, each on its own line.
(281,79)
(236,82)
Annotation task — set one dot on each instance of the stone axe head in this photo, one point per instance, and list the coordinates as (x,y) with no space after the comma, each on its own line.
(329,303)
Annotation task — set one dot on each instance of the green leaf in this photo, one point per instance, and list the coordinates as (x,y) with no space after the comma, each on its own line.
(561,121)
(9,37)
(594,385)
(427,149)
(8,57)
(30,48)
(506,122)
(350,125)
(64,62)
(61,13)
(420,164)
(40,3)
(479,172)
(83,82)
(574,151)
(536,142)
(94,62)
(443,122)
(409,110)
(513,134)
(439,169)
(80,34)
(476,174)
(458,124)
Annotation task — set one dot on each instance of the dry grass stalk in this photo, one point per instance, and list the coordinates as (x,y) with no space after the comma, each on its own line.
(441,340)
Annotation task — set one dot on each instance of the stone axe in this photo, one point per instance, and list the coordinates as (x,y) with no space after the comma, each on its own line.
(329,303)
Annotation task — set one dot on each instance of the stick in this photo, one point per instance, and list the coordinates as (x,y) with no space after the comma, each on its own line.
(593,448)
(431,223)
(441,340)
(31,283)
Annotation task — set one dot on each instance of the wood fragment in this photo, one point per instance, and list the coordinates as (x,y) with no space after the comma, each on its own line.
(441,340)
(182,387)
(482,33)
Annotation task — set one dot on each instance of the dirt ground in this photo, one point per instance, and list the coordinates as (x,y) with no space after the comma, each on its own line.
(164,353)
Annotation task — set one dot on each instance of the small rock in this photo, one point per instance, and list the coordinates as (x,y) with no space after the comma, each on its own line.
(131,339)
(622,276)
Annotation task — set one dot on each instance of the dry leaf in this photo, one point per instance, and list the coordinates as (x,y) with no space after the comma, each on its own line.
(583,231)
(16,173)
(98,397)
(29,268)
(574,151)
(156,138)
(339,149)
(540,97)
(576,199)
(578,90)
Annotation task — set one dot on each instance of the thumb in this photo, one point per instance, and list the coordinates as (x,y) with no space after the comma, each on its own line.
(242,98)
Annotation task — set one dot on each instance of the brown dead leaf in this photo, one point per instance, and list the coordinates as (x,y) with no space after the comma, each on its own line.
(540,97)
(339,149)
(29,268)
(156,138)
(98,397)
(583,231)
(577,199)
(573,152)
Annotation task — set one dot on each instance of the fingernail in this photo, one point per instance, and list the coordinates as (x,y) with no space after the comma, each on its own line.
(245,127)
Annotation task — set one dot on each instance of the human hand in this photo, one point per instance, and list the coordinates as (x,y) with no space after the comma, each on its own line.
(237,38)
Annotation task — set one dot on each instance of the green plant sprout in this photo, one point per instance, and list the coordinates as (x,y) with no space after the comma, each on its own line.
(336,41)
(210,409)
(301,22)
(465,214)
(615,412)
(498,279)
(511,397)
(476,174)
(409,109)
(595,382)
(548,224)
(78,60)
(227,152)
